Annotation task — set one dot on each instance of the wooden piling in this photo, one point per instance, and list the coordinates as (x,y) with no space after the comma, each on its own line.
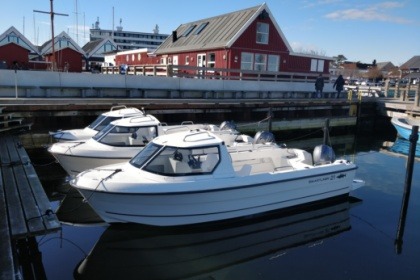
(407,189)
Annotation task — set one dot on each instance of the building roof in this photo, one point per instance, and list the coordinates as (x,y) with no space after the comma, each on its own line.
(215,32)
(99,47)
(412,63)
(385,66)
(61,41)
(13,36)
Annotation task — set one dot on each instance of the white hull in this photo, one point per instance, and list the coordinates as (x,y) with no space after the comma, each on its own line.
(199,203)
(74,164)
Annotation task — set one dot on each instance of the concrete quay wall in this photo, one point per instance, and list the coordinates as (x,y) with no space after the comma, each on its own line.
(41,84)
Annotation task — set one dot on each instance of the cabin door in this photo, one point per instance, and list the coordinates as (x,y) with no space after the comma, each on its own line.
(201,62)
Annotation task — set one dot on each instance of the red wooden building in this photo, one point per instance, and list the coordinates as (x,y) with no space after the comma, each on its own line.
(68,54)
(248,39)
(15,49)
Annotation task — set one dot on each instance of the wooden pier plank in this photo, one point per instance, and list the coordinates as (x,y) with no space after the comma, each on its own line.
(6,254)
(24,207)
(49,219)
(28,206)
(16,217)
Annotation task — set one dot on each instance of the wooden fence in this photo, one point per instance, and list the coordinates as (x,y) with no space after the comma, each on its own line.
(211,73)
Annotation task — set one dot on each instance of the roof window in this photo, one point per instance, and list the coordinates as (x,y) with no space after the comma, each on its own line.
(188,31)
(200,28)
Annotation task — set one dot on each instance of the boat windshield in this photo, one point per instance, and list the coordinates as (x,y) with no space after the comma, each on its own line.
(115,135)
(102,121)
(175,161)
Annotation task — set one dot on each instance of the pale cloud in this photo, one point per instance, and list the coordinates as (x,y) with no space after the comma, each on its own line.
(311,4)
(376,12)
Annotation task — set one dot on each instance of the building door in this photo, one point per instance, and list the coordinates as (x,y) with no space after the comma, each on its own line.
(175,60)
(201,62)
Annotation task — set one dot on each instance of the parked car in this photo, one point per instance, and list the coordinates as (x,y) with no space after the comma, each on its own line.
(123,69)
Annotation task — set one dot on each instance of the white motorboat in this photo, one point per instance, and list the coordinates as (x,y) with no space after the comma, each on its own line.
(116,113)
(119,141)
(194,177)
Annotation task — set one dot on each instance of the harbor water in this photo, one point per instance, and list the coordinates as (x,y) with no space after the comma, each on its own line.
(348,238)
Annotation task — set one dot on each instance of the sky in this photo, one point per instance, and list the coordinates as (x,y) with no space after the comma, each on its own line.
(361,30)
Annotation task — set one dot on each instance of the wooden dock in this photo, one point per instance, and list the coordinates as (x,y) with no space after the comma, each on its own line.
(25,210)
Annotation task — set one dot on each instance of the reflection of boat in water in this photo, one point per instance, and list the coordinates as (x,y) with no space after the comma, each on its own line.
(73,210)
(404,126)
(401,147)
(132,251)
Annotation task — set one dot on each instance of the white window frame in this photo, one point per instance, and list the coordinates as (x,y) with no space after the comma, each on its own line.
(263,31)
(247,61)
(260,62)
(211,62)
(317,65)
(273,63)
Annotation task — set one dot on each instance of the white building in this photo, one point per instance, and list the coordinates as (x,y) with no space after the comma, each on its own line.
(128,40)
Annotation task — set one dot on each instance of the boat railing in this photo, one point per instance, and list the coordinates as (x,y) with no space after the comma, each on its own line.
(199,139)
(142,118)
(118,107)
(178,127)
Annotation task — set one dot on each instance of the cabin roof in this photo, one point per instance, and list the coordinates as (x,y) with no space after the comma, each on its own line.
(23,41)
(216,32)
(64,38)
(412,63)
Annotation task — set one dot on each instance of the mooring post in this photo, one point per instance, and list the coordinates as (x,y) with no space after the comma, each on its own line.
(407,188)
(270,119)
(327,132)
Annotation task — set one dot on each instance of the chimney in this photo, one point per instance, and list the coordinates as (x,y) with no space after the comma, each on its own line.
(174,36)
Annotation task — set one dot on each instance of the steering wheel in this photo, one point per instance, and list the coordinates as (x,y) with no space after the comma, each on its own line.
(193,162)
(178,156)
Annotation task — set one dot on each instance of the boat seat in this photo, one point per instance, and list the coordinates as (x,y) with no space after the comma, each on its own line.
(245,170)
(135,141)
(179,166)
(210,162)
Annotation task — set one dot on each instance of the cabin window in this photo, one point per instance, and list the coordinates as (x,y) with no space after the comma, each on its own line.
(260,62)
(317,65)
(174,161)
(262,33)
(211,62)
(187,60)
(115,135)
(273,63)
(247,60)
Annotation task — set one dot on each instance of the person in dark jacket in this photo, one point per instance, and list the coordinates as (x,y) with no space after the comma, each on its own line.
(338,85)
(319,86)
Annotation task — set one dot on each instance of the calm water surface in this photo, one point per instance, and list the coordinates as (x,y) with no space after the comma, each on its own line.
(347,239)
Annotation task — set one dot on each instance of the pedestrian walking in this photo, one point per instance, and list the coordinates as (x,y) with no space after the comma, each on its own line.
(339,85)
(319,86)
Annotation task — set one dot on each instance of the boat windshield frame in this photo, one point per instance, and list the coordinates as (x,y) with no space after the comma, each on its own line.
(126,136)
(175,161)
(102,121)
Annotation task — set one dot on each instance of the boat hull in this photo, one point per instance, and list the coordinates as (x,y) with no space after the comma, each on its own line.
(74,164)
(261,193)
